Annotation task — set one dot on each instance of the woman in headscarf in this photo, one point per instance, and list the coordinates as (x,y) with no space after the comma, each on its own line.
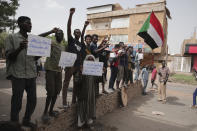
(86,106)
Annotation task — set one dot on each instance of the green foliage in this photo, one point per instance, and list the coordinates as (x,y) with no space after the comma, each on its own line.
(3,36)
(7,12)
(184,78)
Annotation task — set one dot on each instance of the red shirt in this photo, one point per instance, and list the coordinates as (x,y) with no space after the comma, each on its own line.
(154,74)
(116,63)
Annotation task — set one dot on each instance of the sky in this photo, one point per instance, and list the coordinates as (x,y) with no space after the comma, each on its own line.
(47,14)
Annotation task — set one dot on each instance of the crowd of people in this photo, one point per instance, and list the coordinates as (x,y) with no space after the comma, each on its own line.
(124,63)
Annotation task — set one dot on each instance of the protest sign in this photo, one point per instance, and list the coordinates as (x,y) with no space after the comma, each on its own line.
(38,46)
(112,55)
(92,68)
(67,59)
(141,56)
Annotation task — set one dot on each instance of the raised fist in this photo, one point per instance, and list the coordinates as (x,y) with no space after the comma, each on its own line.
(72,10)
(54,30)
(87,23)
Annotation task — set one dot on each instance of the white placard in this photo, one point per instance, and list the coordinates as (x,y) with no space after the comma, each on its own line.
(112,55)
(140,56)
(38,46)
(67,59)
(92,68)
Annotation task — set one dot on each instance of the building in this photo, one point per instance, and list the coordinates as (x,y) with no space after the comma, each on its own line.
(123,25)
(189,53)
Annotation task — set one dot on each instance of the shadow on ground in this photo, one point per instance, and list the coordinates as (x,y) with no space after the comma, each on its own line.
(126,118)
(172,100)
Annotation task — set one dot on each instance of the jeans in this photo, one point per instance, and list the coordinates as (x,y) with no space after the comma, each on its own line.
(145,85)
(18,87)
(69,71)
(137,71)
(194,97)
(114,72)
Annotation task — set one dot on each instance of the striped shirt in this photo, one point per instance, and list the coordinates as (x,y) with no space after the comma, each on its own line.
(164,71)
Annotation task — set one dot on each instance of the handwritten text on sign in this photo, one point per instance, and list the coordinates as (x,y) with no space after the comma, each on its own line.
(38,46)
(92,68)
(67,59)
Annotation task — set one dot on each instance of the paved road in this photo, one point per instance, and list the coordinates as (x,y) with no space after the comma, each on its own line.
(178,116)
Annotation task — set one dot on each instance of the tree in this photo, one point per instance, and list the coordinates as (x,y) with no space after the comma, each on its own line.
(7,13)
(3,36)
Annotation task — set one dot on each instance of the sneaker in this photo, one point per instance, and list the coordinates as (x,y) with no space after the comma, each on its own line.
(65,106)
(79,123)
(54,114)
(29,124)
(194,107)
(110,90)
(113,89)
(90,121)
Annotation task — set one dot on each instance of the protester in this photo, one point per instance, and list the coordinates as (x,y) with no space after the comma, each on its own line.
(21,70)
(38,66)
(164,73)
(104,57)
(95,51)
(122,66)
(74,46)
(114,61)
(88,40)
(86,105)
(145,76)
(133,55)
(154,76)
(137,63)
(94,48)
(129,77)
(194,99)
(53,75)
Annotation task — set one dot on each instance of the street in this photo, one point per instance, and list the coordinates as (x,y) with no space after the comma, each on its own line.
(176,114)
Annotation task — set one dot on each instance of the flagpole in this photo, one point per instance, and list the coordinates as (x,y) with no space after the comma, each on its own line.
(166,53)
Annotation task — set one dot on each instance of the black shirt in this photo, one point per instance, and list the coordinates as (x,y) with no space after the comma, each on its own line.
(74,46)
(103,57)
(94,47)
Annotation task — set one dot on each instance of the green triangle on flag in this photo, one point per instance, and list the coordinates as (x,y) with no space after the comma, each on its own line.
(152,32)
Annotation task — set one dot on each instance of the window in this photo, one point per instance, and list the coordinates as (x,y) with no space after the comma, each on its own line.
(101,25)
(120,22)
(115,39)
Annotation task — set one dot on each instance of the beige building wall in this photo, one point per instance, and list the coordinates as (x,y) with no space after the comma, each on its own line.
(137,17)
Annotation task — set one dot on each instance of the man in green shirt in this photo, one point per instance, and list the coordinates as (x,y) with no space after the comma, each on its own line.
(53,76)
(21,70)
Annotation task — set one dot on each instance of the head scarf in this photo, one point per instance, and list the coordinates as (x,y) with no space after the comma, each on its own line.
(89,56)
